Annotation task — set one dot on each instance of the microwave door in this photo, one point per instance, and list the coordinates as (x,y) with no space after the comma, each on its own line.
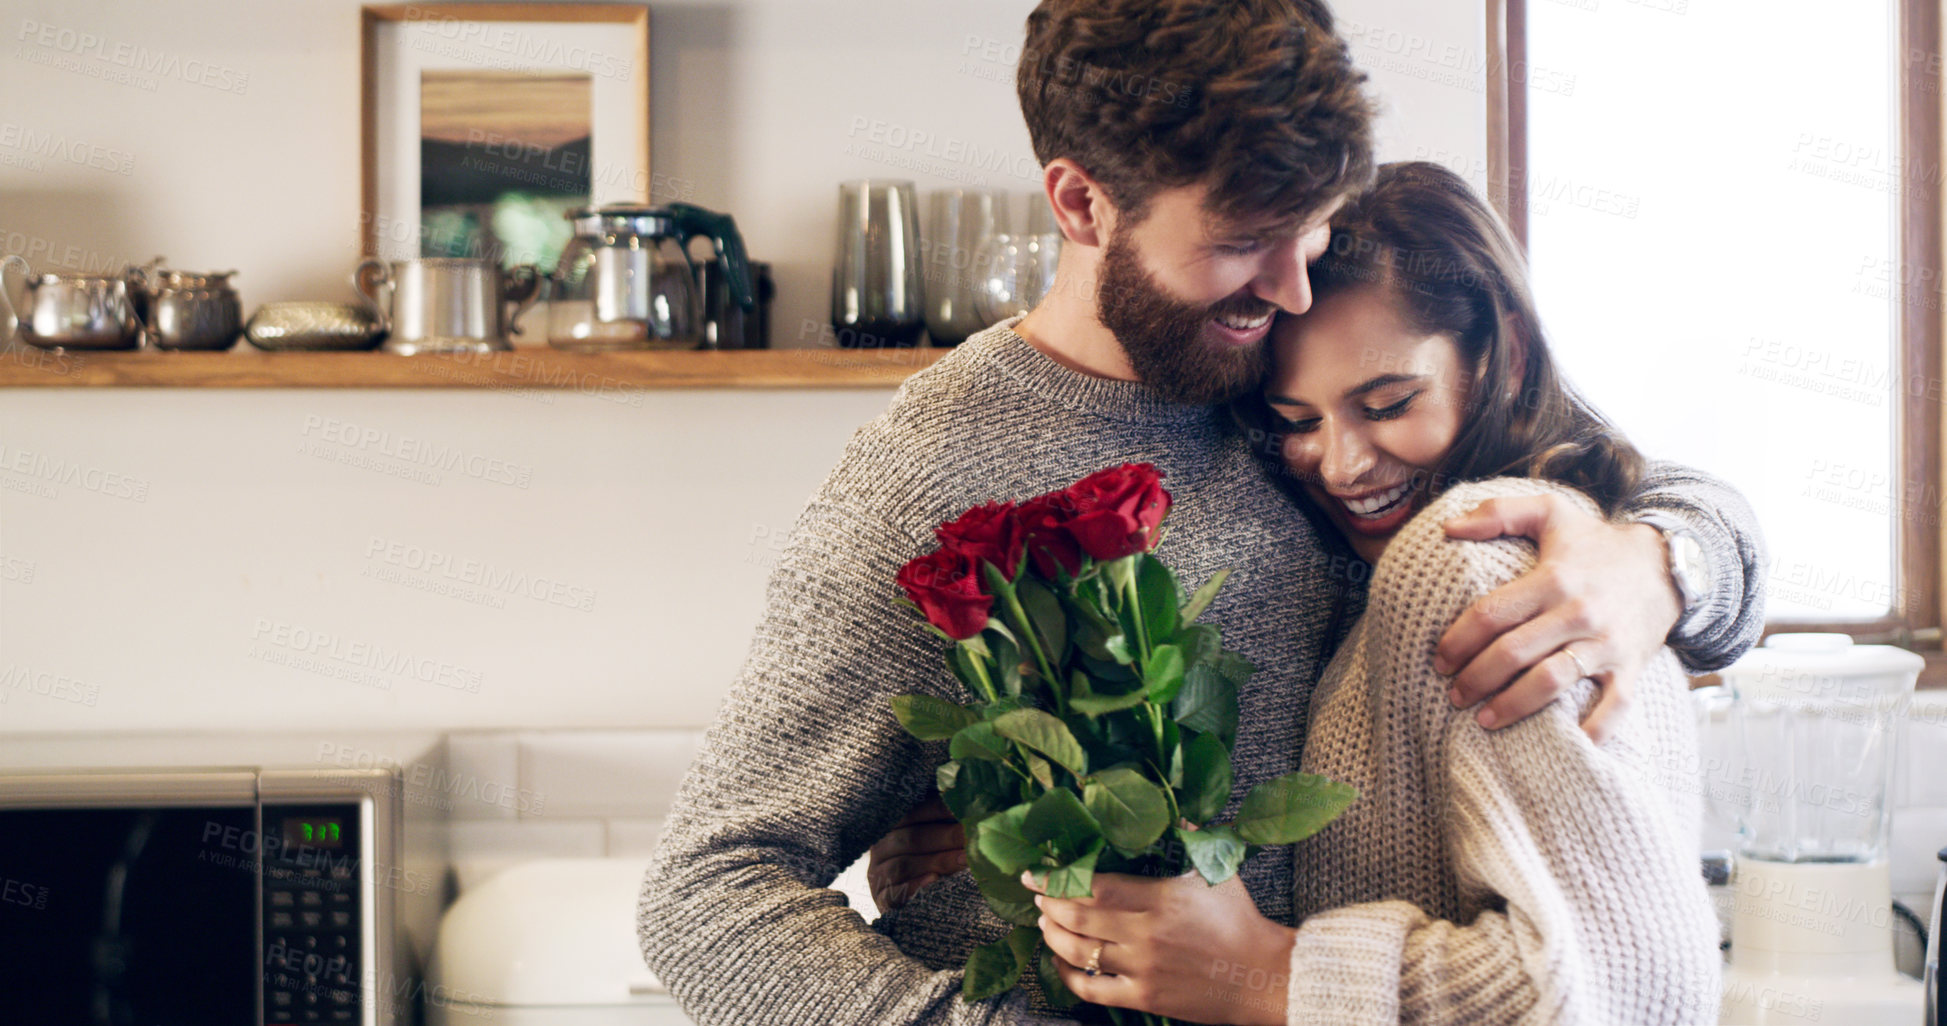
(130,914)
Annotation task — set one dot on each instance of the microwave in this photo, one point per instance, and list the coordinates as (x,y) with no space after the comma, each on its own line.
(215,897)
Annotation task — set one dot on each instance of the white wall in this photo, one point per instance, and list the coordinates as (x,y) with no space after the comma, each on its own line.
(165,554)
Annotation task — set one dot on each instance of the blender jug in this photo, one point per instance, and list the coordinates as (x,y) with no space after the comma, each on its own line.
(1816,718)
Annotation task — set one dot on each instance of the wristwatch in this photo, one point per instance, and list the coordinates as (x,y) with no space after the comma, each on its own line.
(1689,570)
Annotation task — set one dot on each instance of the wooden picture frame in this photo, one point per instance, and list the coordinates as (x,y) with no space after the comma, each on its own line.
(600,51)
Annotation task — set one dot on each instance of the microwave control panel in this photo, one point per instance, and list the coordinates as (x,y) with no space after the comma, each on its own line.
(312,919)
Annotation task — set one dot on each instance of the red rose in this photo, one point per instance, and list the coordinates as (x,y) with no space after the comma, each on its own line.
(1117,510)
(945,585)
(989,531)
(1044,531)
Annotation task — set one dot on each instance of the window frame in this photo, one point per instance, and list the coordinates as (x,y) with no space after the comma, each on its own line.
(1915,621)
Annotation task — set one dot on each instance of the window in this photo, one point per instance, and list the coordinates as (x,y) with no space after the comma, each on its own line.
(1731,212)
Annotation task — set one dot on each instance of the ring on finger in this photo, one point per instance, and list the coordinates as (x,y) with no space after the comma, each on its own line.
(1094,966)
(1581,670)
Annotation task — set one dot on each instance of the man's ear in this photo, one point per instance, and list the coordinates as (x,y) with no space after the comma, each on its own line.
(1082,209)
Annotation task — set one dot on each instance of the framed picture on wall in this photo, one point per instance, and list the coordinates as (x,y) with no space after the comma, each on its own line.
(483,124)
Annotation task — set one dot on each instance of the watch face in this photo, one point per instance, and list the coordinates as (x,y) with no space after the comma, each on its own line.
(1687,565)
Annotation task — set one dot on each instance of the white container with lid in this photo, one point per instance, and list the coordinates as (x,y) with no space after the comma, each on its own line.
(547,943)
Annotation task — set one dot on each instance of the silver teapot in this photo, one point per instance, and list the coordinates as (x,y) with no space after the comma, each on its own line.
(626,279)
(75,311)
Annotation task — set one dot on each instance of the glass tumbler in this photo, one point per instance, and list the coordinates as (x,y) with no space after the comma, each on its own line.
(877,297)
(958,222)
(1019,269)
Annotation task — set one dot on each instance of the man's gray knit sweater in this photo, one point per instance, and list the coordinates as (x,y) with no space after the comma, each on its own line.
(806,767)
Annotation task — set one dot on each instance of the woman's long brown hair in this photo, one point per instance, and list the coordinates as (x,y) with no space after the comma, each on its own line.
(1443,256)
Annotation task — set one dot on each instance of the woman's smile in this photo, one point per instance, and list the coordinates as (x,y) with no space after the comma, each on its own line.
(1378,511)
(1371,408)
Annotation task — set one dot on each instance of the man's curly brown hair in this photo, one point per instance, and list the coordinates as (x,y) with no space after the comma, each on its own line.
(1256,98)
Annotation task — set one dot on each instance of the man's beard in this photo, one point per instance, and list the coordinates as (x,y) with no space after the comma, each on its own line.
(1164,337)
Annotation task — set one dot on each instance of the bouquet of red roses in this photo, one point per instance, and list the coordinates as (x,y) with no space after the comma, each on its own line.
(1103,718)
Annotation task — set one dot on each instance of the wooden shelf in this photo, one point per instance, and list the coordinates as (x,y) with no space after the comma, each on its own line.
(25,367)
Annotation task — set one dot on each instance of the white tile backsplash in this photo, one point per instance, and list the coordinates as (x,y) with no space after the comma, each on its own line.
(482,766)
(576,793)
(625,773)
(1918,836)
(631,838)
(1923,752)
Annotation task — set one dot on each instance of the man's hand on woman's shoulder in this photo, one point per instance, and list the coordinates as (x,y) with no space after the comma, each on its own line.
(1599,603)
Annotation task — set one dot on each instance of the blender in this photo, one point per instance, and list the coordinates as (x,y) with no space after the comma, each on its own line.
(1817,718)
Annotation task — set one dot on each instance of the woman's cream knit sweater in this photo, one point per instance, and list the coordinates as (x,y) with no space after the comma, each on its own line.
(1521,875)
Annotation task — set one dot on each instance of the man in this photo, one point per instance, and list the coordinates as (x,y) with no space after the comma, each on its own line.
(1193,152)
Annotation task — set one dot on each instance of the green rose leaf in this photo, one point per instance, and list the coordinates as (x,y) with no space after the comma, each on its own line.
(1201,600)
(1207,703)
(1057,992)
(1119,649)
(1045,734)
(1093,640)
(1073,880)
(1216,851)
(1002,839)
(1003,890)
(1060,821)
(1201,645)
(1002,706)
(978,789)
(977,741)
(1088,607)
(1039,769)
(1156,585)
(1023,943)
(996,968)
(959,662)
(1291,808)
(1109,671)
(1163,674)
(1050,624)
(1003,655)
(1235,668)
(998,586)
(1133,811)
(1095,704)
(931,719)
(1206,779)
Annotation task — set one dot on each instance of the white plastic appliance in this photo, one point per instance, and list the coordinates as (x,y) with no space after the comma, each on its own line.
(547,943)
(1812,929)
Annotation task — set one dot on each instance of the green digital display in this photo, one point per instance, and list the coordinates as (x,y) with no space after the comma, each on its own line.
(318,833)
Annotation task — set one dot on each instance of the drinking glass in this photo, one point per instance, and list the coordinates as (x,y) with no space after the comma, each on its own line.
(877,298)
(1020,269)
(958,221)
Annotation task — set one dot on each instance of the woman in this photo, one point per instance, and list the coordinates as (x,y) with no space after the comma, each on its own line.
(1525,874)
